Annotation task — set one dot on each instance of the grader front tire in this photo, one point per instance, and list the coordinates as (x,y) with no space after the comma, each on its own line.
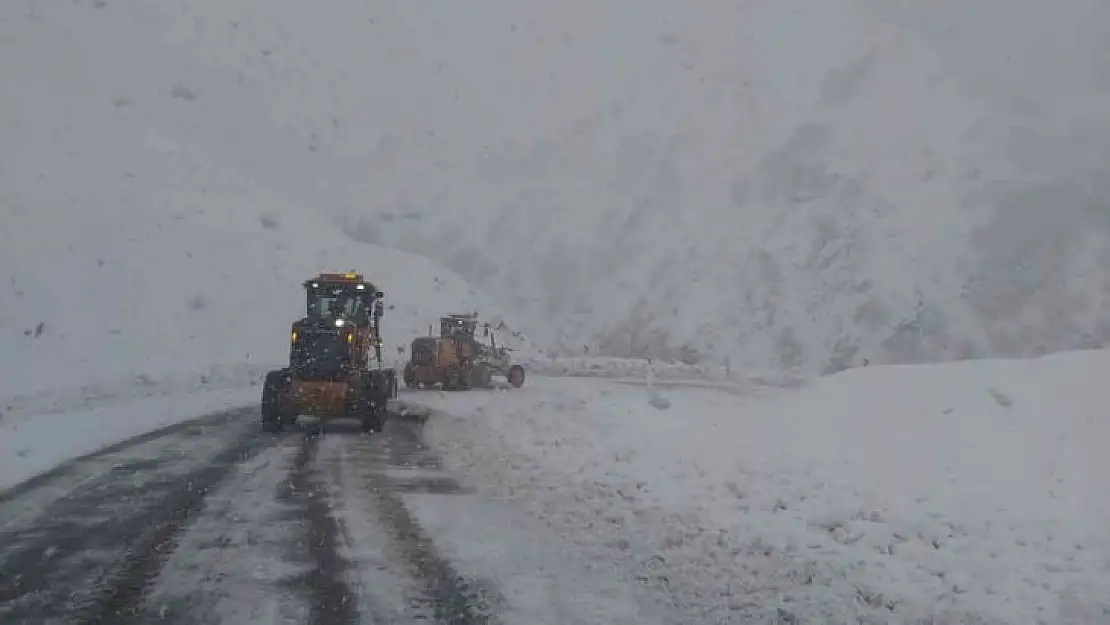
(516,376)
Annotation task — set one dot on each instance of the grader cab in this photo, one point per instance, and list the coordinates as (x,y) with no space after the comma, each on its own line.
(329,373)
(456,360)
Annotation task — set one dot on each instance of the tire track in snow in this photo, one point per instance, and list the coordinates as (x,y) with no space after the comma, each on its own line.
(93,463)
(214,522)
(122,598)
(234,563)
(265,550)
(86,555)
(469,559)
(26,499)
(333,601)
(382,592)
(384,536)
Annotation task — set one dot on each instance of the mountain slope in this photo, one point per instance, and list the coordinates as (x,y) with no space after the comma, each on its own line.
(135,250)
(804,185)
(783,184)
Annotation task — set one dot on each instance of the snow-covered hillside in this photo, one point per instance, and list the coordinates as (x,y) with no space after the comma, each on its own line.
(780,183)
(138,253)
(786,183)
(954,493)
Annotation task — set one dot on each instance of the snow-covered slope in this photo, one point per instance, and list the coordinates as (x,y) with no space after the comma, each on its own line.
(786,183)
(796,183)
(137,254)
(954,493)
(780,183)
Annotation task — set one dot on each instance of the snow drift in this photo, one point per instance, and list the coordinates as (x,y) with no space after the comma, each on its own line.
(956,493)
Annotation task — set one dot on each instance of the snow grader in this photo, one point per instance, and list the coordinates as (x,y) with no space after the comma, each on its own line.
(457,361)
(329,374)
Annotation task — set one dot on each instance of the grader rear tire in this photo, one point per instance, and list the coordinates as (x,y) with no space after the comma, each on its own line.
(275,392)
(481,377)
(370,405)
(516,376)
(454,379)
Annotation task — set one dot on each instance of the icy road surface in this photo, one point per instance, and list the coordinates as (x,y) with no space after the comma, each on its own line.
(212,521)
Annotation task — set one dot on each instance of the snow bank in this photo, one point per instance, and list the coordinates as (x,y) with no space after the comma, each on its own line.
(967,492)
(636,369)
(35,444)
(157,220)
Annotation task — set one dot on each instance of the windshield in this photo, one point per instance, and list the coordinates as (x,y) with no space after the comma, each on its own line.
(338,301)
(457,328)
(342,306)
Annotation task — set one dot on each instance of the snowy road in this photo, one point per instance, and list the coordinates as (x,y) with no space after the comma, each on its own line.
(211,521)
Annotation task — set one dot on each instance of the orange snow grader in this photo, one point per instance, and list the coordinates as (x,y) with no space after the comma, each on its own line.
(456,360)
(329,374)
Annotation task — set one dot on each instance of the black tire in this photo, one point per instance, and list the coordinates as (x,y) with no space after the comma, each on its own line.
(373,423)
(275,389)
(451,380)
(480,376)
(370,406)
(516,376)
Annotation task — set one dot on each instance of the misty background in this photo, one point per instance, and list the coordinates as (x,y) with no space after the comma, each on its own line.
(770,184)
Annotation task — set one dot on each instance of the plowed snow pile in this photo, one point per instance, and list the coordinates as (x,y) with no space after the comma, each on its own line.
(965,493)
